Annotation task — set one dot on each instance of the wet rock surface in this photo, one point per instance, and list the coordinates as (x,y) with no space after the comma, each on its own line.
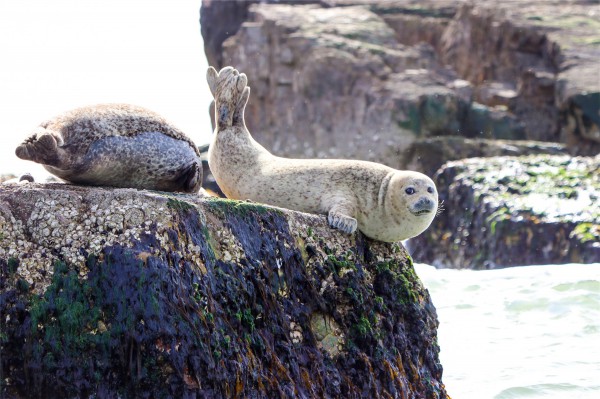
(128,293)
(511,211)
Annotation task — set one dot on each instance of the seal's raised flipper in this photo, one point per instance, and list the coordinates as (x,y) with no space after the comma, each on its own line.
(228,87)
(238,114)
(43,147)
(212,77)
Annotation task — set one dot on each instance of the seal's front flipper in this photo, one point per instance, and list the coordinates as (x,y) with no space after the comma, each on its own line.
(338,219)
(42,147)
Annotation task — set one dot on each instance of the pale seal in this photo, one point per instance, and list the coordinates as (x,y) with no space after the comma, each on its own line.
(118,145)
(384,203)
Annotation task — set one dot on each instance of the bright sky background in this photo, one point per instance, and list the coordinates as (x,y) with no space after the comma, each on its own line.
(62,54)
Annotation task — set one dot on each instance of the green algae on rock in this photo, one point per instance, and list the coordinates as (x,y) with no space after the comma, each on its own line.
(509,211)
(129,293)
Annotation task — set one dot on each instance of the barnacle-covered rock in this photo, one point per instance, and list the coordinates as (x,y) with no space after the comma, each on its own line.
(131,293)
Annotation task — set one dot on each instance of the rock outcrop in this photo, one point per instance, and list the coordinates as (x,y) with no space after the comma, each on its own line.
(416,84)
(125,293)
(428,155)
(510,211)
(401,70)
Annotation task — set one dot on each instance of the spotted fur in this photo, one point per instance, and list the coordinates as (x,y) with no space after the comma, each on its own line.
(117,145)
(384,203)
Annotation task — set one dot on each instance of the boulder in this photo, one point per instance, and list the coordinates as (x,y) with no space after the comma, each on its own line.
(513,211)
(129,293)
(300,59)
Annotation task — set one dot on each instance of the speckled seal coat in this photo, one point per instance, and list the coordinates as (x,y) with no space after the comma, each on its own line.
(118,145)
(384,203)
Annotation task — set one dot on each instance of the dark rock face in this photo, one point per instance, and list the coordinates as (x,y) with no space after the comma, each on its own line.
(220,20)
(510,211)
(161,295)
(364,79)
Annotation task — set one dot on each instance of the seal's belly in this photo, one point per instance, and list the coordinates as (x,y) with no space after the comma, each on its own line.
(150,160)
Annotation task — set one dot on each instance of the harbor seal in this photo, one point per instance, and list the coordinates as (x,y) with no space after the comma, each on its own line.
(118,145)
(384,203)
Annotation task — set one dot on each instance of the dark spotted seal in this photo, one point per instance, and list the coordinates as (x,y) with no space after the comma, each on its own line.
(118,145)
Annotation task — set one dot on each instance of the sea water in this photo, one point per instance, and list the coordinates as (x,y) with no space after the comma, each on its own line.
(520,332)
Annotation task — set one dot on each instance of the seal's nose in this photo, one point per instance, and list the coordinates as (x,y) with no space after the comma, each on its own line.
(424,204)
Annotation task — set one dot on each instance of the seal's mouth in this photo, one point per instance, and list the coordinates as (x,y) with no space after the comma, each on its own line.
(421,212)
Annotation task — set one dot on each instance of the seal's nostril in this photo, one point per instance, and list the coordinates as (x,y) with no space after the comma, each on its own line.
(424,203)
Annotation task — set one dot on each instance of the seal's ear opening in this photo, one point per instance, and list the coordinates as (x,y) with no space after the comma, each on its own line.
(211,76)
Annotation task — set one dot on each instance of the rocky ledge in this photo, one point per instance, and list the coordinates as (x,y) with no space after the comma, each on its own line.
(509,211)
(400,70)
(414,84)
(125,293)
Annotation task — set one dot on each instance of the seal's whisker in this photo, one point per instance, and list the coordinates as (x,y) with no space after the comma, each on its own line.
(440,208)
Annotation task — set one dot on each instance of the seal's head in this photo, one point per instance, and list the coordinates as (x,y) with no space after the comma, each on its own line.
(414,200)
(229,88)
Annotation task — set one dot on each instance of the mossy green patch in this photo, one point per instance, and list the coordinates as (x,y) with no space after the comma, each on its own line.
(179,205)
(363,328)
(383,8)
(587,232)
(339,263)
(242,208)
(22,285)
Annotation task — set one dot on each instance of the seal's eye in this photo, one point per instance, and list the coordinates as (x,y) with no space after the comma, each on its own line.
(430,190)
(409,191)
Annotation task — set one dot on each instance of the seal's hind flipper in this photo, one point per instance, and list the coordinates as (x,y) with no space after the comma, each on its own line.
(238,114)
(212,77)
(228,87)
(41,147)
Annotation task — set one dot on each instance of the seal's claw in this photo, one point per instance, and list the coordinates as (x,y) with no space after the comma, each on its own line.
(342,222)
(242,82)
